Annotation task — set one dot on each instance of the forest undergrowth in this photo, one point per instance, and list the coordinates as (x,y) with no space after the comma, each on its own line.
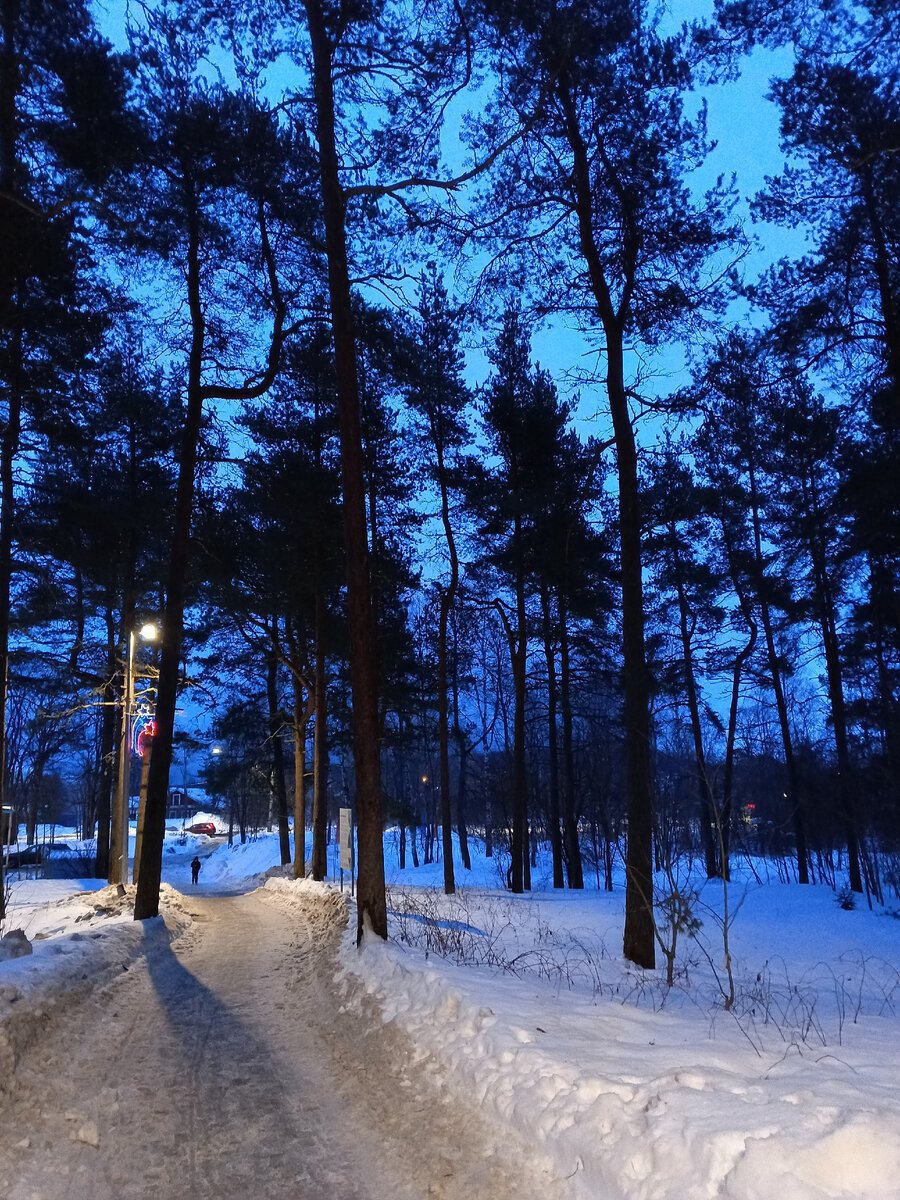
(800,1005)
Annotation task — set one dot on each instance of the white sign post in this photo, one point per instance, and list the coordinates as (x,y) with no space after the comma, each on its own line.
(345,837)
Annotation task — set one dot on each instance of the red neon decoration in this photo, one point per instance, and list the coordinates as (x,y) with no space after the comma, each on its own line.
(148,730)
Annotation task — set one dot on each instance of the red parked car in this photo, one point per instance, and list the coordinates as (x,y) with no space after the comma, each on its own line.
(206,827)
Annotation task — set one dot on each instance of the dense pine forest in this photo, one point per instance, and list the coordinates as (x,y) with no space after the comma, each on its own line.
(272,279)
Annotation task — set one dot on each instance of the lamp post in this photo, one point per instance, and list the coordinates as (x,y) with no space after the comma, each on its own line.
(123,782)
(216,752)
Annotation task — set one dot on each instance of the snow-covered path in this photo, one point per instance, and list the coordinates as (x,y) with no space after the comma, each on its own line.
(221,1066)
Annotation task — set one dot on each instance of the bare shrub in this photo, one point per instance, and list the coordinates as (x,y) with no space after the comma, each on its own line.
(504,937)
(815,1008)
(503,934)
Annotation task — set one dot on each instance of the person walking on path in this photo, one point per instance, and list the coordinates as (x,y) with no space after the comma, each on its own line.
(195,869)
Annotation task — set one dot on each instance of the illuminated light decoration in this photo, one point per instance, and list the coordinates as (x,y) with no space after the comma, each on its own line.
(144,730)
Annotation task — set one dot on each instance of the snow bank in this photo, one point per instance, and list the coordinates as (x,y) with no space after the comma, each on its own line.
(617,1087)
(636,1104)
(79,942)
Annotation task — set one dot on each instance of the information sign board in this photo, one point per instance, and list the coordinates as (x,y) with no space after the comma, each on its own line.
(345,835)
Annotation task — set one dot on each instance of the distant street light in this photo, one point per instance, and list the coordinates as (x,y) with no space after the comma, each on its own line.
(217,754)
(123,783)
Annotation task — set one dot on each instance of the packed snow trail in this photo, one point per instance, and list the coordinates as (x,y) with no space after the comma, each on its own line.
(220,1066)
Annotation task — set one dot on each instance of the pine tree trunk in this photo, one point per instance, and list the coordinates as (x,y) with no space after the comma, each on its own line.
(741,659)
(278,782)
(639,941)
(371,901)
(552,747)
(107,744)
(462,750)
(517,639)
(882,602)
(319,865)
(172,633)
(116,873)
(146,902)
(571,841)
(639,944)
(9,448)
(708,816)
(795,803)
(304,707)
(9,445)
(142,808)
(825,607)
(448,597)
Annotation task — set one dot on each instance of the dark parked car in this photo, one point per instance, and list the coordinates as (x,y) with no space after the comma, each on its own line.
(31,856)
(206,827)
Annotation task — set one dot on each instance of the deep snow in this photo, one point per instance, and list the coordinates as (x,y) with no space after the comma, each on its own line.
(624,1088)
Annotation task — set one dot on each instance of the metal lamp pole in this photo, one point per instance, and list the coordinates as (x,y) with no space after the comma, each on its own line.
(123,783)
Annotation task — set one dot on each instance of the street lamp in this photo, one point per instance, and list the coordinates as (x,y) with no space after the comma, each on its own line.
(123,783)
(217,754)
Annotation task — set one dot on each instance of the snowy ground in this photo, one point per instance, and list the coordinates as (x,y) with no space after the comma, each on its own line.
(622,1088)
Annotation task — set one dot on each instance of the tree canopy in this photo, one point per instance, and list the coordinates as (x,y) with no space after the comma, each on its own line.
(391,357)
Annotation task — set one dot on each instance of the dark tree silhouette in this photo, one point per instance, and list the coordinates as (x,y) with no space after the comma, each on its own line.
(594,189)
